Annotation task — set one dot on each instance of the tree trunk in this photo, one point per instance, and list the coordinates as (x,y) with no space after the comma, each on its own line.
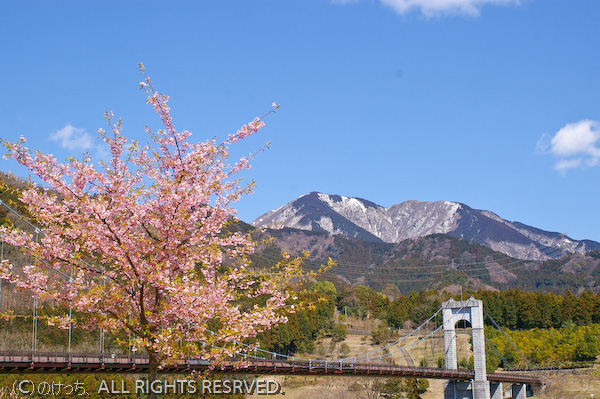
(152,372)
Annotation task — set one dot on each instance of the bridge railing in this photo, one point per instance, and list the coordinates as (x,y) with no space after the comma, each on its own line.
(46,360)
(60,357)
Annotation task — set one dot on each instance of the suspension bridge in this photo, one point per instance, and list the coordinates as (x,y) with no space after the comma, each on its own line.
(430,341)
(435,342)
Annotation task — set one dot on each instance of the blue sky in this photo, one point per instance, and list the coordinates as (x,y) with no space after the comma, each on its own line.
(491,103)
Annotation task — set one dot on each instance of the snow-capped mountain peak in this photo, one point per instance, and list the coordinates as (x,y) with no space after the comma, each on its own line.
(359,218)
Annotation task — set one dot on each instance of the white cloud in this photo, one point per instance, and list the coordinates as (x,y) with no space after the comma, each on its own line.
(543,144)
(574,145)
(72,138)
(431,8)
(565,164)
(577,138)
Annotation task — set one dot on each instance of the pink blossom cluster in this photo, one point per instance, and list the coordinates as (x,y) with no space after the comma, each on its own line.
(144,242)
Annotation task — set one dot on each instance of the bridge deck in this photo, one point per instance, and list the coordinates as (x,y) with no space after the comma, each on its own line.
(19,362)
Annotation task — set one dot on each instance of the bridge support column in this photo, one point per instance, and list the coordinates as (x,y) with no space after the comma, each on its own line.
(496,390)
(450,360)
(519,391)
(481,386)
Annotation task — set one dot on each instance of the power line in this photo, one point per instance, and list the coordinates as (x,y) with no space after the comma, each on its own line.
(390,270)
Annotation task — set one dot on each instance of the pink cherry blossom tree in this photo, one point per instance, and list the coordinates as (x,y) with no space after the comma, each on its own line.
(147,242)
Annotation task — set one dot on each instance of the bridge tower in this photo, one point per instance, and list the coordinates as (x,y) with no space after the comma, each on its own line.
(470,310)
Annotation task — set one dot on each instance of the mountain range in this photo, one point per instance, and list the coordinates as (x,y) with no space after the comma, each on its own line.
(365,220)
(410,246)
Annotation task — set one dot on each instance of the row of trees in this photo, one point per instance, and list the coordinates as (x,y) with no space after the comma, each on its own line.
(517,309)
(545,347)
(514,309)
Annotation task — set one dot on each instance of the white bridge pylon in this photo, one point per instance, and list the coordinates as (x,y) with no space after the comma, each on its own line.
(471,311)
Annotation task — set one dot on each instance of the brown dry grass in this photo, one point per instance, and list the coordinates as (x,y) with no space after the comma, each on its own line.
(297,387)
(571,384)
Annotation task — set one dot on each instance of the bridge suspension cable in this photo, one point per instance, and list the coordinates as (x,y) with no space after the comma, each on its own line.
(497,351)
(368,356)
(34,334)
(510,341)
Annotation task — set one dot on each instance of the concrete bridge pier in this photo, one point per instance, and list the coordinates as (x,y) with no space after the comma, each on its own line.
(468,390)
(519,391)
(459,390)
(496,390)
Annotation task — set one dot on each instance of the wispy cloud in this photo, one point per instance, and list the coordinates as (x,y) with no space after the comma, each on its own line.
(433,8)
(72,138)
(575,145)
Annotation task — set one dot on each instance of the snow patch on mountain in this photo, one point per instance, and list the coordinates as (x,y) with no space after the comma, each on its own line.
(327,225)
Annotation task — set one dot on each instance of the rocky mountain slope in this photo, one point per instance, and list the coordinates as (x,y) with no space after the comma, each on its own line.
(437,261)
(359,218)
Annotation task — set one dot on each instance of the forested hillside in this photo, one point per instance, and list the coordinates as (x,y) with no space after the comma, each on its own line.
(434,262)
